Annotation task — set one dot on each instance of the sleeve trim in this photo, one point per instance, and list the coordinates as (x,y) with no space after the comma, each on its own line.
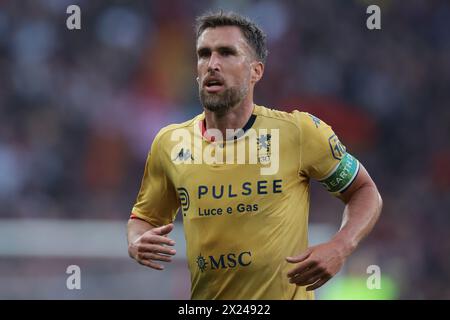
(141,216)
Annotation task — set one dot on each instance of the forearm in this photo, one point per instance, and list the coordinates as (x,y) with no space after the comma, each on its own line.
(360,215)
(136,228)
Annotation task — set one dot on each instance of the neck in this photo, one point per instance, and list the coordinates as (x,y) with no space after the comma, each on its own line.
(235,118)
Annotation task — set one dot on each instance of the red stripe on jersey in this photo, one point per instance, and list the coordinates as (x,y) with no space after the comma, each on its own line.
(133,216)
(202,125)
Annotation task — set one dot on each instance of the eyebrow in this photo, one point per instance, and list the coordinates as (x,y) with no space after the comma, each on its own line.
(222,48)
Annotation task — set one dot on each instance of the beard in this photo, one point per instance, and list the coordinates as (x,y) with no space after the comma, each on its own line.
(221,103)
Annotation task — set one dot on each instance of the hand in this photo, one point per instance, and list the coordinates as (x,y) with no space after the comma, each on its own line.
(150,247)
(316,265)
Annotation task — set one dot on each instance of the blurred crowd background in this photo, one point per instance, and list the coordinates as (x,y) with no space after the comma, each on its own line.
(79,110)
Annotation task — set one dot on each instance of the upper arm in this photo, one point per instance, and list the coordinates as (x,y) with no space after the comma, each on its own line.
(324,157)
(362,180)
(157,200)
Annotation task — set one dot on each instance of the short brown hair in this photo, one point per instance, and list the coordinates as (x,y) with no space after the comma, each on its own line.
(252,33)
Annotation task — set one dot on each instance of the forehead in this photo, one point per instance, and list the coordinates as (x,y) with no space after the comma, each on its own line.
(222,36)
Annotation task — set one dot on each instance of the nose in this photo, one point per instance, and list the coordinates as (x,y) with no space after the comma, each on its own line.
(214,62)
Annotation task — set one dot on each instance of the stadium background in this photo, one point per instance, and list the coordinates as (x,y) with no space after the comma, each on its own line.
(79,110)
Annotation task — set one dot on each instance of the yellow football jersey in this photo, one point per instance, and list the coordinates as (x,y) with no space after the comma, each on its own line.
(244,202)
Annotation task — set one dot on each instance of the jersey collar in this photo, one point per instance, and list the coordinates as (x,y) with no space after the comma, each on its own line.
(245,128)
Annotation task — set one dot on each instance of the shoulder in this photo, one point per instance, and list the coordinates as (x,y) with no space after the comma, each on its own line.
(295,118)
(165,133)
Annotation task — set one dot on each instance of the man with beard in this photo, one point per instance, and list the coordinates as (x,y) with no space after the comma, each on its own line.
(246,229)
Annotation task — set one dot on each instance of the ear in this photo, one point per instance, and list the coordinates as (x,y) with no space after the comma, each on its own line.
(257,70)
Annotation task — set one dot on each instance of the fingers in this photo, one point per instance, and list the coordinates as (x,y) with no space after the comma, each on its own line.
(147,254)
(316,265)
(302,267)
(154,256)
(308,277)
(151,264)
(151,247)
(154,248)
(299,258)
(156,239)
(319,283)
(163,230)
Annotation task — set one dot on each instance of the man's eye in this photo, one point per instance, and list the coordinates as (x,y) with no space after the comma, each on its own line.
(203,54)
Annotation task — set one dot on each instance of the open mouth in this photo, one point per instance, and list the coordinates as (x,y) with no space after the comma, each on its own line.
(213,85)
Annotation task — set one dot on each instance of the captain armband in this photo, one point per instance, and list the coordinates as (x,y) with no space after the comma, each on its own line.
(342,176)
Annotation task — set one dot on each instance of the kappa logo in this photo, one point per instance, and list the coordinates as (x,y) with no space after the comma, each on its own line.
(184,155)
(315,120)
